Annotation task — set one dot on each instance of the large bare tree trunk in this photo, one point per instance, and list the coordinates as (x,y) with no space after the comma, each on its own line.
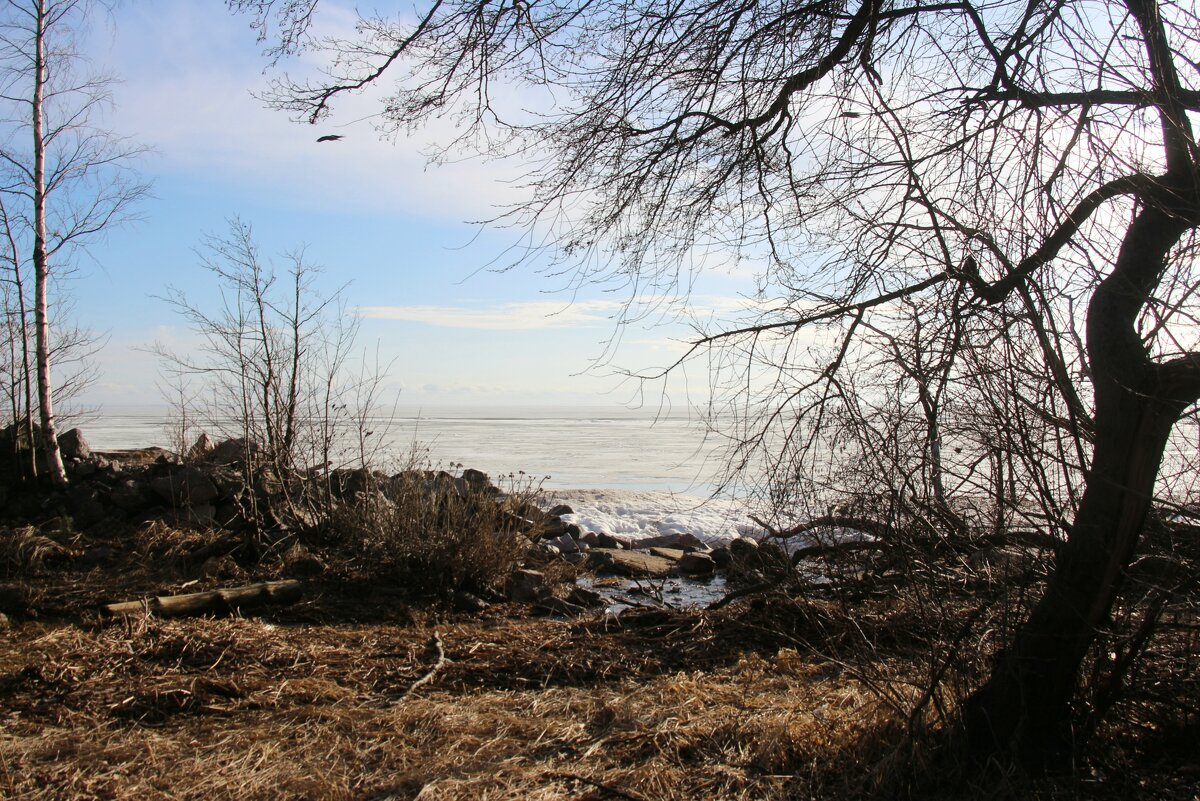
(1023,711)
(54,463)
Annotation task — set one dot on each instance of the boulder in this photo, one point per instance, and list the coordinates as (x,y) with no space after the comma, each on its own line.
(604,540)
(85,506)
(202,448)
(230,451)
(185,487)
(722,558)
(299,562)
(560,510)
(740,547)
(697,564)
(683,540)
(674,554)
(127,495)
(466,602)
(564,544)
(526,586)
(636,564)
(73,445)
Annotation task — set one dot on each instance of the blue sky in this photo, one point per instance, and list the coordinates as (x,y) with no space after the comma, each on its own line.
(371,212)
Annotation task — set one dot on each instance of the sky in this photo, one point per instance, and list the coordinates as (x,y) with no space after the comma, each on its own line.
(374,214)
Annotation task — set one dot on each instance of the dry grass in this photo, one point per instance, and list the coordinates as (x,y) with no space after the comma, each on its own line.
(244,709)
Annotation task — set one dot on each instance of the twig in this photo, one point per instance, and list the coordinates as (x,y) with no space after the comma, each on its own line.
(436,651)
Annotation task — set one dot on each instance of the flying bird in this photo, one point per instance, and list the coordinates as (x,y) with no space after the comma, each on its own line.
(330,138)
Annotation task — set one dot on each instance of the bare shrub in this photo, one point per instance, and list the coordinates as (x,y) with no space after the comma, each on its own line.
(434,533)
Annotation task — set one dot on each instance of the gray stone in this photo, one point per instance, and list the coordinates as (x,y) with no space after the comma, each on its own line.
(564,544)
(85,506)
(230,451)
(74,445)
(466,602)
(203,446)
(674,554)
(185,487)
(300,562)
(684,540)
(741,547)
(128,495)
(84,469)
(629,563)
(525,586)
(697,564)
(604,540)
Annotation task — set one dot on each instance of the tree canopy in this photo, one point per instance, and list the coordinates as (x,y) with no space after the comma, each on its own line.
(1019,181)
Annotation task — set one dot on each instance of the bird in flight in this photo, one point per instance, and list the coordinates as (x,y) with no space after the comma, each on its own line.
(330,138)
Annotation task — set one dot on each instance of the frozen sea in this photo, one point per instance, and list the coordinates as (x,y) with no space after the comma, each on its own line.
(624,471)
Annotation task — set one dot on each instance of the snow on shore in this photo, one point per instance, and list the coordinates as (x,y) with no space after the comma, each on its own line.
(638,514)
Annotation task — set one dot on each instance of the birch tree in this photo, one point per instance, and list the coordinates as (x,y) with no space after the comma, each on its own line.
(67,180)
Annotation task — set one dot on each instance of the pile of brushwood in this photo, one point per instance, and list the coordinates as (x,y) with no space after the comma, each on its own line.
(349,635)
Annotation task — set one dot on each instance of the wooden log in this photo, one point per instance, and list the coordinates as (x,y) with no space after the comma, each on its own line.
(218,601)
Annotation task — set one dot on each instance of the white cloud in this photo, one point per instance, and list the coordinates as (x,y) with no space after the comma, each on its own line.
(519,316)
(192,103)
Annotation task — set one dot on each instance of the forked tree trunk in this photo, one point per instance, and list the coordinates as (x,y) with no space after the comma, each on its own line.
(1023,712)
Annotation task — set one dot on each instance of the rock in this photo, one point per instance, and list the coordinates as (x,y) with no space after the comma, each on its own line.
(586,598)
(127,495)
(476,479)
(185,487)
(697,564)
(636,564)
(553,527)
(722,557)
(683,540)
(740,547)
(98,555)
(73,445)
(564,544)
(85,506)
(202,448)
(604,540)
(560,510)
(590,539)
(230,451)
(574,530)
(84,469)
(220,567)
(300,562)
(674,554)
(575,557)
(525,586)
(466,602)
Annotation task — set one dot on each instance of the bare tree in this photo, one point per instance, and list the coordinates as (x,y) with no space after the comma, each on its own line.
(67,179)
(1038,157)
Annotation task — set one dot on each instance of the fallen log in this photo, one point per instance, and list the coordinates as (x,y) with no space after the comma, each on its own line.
(216,601)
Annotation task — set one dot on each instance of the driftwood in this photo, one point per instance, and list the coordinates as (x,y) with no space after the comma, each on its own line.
(198,603)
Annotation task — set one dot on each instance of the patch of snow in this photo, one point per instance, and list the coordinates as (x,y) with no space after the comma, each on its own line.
(639,514)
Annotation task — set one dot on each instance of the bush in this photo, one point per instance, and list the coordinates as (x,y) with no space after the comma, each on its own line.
(436,534)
